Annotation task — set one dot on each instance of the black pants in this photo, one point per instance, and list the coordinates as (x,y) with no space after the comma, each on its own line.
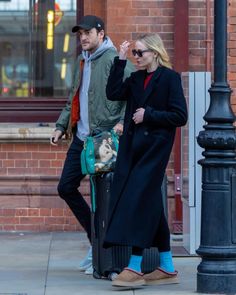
(69,183)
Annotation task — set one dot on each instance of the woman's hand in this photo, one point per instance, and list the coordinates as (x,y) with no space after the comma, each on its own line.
(124,47)
(138,115)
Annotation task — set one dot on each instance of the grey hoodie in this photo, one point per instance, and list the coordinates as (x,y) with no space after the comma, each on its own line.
(83,123)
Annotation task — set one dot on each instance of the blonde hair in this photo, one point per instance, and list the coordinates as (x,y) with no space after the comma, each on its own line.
(155,43)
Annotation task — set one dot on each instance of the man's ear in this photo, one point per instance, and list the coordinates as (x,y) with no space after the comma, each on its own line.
(102,33)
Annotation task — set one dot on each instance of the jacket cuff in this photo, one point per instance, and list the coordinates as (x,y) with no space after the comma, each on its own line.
(61,129)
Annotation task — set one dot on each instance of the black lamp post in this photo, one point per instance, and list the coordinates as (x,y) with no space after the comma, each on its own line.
(217,270)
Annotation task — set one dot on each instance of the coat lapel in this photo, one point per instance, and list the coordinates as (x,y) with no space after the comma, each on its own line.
(150,85)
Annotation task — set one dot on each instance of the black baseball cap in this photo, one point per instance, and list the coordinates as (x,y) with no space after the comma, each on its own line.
(89,22)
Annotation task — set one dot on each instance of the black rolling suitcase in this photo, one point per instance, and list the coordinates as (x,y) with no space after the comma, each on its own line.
(107,262)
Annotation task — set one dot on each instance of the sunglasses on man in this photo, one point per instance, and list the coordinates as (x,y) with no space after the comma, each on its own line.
(139,52)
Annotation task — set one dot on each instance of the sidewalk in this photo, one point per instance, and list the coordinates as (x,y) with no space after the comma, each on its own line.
(46,264)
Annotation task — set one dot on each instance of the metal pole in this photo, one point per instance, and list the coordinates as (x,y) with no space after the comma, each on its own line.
(217,270)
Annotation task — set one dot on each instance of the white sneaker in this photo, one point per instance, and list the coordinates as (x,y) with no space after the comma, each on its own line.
(89,270)
(87,261)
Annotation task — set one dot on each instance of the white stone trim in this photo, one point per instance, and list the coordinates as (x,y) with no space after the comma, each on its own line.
(10,132)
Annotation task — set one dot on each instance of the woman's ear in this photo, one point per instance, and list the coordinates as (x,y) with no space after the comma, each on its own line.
(156,55)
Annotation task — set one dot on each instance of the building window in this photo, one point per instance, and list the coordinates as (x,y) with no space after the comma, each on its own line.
(37,53)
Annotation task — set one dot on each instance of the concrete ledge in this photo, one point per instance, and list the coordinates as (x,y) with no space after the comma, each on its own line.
(15,132)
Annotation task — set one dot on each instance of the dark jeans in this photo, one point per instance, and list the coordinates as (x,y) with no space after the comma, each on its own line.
(69,183)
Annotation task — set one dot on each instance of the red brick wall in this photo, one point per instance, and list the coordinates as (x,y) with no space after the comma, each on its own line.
(198,35)
(29,173)
(97,7)
(31,158)
(198,40)
(128,19)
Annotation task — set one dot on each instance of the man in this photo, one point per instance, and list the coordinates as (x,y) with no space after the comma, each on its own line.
(87,112)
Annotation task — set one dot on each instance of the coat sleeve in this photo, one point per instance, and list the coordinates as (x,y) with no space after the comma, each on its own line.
(117,85)
(176,114)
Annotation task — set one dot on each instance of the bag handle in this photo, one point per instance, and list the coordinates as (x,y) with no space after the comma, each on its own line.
(115,138)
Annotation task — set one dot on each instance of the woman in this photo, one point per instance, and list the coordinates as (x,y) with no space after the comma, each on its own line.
(155,107)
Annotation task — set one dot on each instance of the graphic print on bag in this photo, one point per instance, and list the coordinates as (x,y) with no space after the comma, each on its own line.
(105,152)
(99,153)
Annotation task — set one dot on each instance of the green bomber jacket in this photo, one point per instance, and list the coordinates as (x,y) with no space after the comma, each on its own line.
(103,114)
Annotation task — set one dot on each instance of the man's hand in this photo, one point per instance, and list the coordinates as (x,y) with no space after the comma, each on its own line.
(56,135)
(118,128)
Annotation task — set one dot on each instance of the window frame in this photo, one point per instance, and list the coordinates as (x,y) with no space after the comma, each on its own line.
(34,109)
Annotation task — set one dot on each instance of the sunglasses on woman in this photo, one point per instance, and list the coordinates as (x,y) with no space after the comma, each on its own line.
(139,52)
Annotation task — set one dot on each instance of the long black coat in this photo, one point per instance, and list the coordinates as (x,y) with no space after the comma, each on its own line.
(144,151)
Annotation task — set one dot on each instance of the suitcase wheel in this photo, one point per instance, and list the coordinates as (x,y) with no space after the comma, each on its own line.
(96,275)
